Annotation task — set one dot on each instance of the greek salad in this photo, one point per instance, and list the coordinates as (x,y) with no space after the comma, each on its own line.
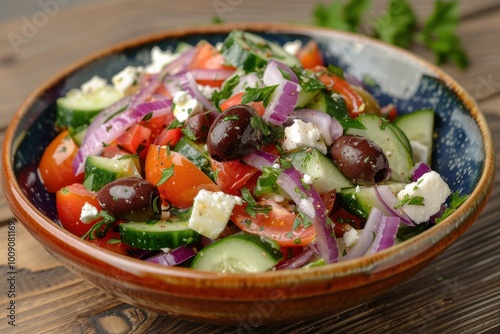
(245,156)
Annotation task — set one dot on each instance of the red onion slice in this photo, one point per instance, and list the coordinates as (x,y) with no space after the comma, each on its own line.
(389,201)
(282,103)
(188,83)
(211,75)
(273,74)
(180,64)
(386,234)
(174,257)
(420,169)
(299,260)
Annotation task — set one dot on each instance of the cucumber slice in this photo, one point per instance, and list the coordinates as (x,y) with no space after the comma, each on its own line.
(78,108)
(360,200)
(418,126)
(195,154)
(78,134)
(250,52)
(391,141)
(335,107)
(238,253)
(169,233)
(99,171)
(325,174)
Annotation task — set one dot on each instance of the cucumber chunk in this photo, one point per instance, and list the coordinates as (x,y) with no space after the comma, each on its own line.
(169,233)
(392,142)
(360,200)
(77,108)
(238,253)
(325,174)
(250,52)
(99,171)
(418,127)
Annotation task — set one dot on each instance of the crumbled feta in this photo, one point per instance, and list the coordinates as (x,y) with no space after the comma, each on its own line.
(206,90)
(420,152)
(307,179)
(292,47)
(301,135)
(211,212)
(351,236)
(434,191)
(89,213)
(185,106)
(126,78)
(160,59)
(95,83)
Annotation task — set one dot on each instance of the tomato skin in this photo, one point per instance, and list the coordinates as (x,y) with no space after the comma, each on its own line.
(310,55)
(56,166)
(208,57)
(186,181)
(136,140)
(232,175)
(236,99)
(69,203)
(169,137)
(112,242)
(277,225)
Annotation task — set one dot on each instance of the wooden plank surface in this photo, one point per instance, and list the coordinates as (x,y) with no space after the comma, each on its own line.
(458,293)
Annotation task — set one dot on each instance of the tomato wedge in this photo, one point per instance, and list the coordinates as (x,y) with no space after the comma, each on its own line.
(56,165)
(236,99)
(136,140)
(232,175)
(277,225)
(177,178)
(112,242)
(69,203)
(310,55)
(208,57)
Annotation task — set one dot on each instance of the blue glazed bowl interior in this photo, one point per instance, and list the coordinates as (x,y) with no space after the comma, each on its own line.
(392,77)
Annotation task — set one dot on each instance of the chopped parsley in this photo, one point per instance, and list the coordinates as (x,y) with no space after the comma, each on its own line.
(165,175)
(410,200)
(225,92)
(258,94)
(455,201)
(252,208)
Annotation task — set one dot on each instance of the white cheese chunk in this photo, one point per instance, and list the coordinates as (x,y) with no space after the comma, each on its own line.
(185,106)
(211,212)
(350,237)
(160,59)
(94,84)
(126,78)
(206,90)
(89,213)
(301,135)
(292,47)
(434,191)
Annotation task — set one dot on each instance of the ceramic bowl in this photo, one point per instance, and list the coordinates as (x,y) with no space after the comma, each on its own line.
(462,153)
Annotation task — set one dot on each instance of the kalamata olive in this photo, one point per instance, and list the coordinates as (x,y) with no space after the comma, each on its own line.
(360,160)
(130,198)
(231,136)
(198,126)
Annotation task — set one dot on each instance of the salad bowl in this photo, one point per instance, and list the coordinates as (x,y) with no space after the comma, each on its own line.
(462,154)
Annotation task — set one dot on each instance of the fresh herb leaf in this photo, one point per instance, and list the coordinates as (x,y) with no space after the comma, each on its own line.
(307,79)
(266,183)
(99,229)
(301,220)
(225,92)
(335,70)
(183,214)
(410,200)
(397,26)
(271,134)
(284,74)
(258,94)
(455,201)
(341,16)
(252,207)
(165,175)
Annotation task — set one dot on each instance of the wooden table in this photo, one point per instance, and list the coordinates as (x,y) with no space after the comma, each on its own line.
(458,293)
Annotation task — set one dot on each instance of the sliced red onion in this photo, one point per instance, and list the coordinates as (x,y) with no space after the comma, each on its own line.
(180,64)
(329,127)
(188,83)
(174,257)
(389,201)
(282,103)
(250,80)
(420,169)
(211,75)
(114,128)
(299,260)
(366,236)
(273,74)
(385,236)
(146,91)
(308,201)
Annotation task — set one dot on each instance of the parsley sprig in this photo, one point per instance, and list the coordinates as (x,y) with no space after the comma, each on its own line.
(455,201)
(253,208)
(399,25)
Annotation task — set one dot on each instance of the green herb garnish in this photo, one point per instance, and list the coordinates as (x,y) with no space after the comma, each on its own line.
(165,175)
(455,201)
(258,94)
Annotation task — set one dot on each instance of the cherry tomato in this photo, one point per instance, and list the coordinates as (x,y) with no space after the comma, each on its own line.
(310,55)
(111,242)
(236,99)
(185,181)
(277,224)
(69,203)
(56,165)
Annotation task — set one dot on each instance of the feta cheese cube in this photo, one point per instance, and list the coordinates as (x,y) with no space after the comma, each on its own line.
(292,47)
(301,135)
(350,236)
(94,84)
(211,212)
(159,59)
(126,78)
(185,106)
(89,213)
(434,191)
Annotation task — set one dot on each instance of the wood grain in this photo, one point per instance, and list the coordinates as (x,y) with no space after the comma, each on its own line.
(458,293)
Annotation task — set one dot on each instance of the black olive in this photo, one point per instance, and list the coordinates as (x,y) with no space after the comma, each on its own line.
(198,126)
(130,198)
(360,160)
(232,136)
